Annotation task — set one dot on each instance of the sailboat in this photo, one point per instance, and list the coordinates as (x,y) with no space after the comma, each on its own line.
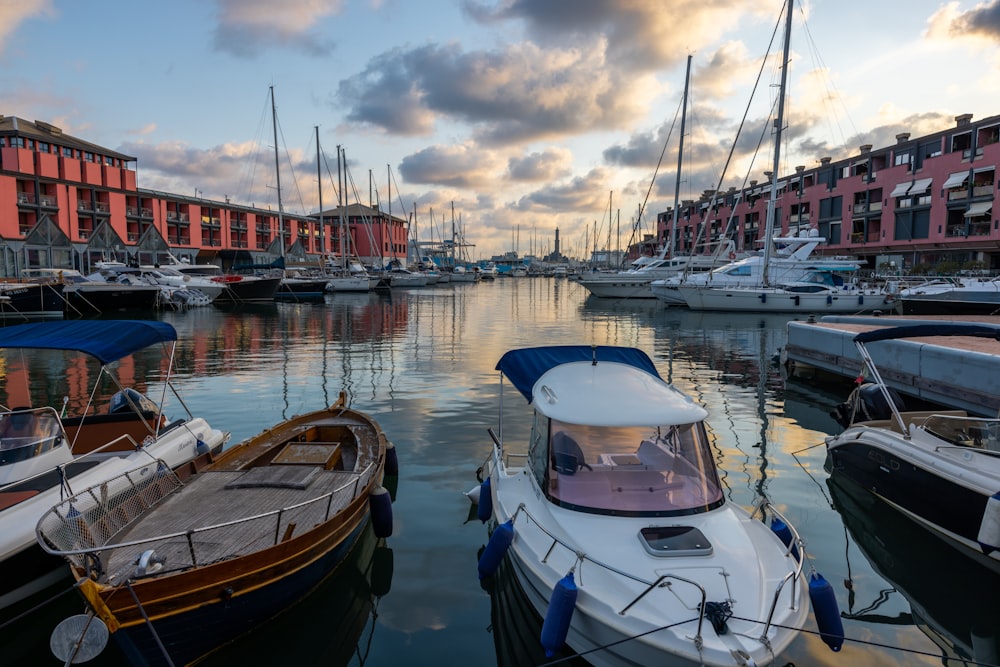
(815,288)
(346,275)
(634,283)
(296,284)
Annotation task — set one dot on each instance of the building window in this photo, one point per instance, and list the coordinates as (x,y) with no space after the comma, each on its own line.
(67,151)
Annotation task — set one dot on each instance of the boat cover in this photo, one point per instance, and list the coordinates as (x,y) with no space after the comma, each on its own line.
(922,330)
(105,340)
(523,367)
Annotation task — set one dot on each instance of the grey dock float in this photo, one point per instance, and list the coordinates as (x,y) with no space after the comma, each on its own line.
(955,371)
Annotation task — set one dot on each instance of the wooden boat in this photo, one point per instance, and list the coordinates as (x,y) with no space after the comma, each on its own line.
(179,564)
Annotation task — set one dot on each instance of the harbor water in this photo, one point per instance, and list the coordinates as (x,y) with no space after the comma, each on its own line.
(421,361)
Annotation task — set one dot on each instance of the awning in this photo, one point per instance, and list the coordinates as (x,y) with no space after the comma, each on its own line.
(900,189)
(978,208)
(920,187)
(956,179)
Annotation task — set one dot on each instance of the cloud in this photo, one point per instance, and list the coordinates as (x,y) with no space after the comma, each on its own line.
(13,14)
(520,93)
(242,172)
(462,166)
(545,166)
(641,35)
(248,26)
(587,193)
(982,22)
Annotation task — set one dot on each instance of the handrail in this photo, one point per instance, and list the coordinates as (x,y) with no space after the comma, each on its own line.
(49,547)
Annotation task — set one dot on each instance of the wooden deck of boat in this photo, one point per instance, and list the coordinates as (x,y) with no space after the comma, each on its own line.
(217,497)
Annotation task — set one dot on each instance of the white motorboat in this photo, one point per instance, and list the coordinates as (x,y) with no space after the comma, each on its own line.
(815,292)
(790,260)
(619,486)
(940,468)
(45,456)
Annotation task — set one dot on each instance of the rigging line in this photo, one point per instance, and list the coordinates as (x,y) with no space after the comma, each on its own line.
(827,82)
(620,641)
(739,131)
(652,181)
(867,642)
(291,167)
(248,178)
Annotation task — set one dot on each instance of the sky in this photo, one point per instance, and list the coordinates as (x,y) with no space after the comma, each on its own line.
(521,116)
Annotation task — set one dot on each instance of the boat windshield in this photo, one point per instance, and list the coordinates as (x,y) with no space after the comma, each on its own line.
(975,432)
(635,471)
(25,434)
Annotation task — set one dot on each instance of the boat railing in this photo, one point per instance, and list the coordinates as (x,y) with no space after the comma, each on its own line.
(82,528)
(794,549)
(660,582)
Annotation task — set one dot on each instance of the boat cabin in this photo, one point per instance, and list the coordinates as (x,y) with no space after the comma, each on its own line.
(611,437)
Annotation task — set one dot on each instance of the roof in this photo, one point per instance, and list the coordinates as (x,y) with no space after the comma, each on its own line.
(105,340)
(597,385)
(41,131)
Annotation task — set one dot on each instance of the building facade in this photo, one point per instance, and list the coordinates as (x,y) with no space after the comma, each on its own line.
(921,203)
(67,203)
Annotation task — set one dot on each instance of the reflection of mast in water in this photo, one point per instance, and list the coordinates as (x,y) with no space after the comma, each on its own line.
(761,485)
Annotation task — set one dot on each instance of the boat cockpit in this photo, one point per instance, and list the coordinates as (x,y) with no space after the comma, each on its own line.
(627,470)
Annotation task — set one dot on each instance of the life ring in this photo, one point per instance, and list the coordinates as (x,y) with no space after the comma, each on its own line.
(732,254)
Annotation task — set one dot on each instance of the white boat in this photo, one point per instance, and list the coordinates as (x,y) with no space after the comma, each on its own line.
(940,468)
(51,456)
(952,296)
(635,283)
(790,260)
(816,292)
(619,486)
(401,277)
(461,274)
(488,271)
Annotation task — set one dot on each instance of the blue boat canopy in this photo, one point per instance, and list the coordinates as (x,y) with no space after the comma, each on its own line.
(523,367)
(923,330)
(105,340)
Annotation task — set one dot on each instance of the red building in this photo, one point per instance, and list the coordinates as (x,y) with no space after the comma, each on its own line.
(65,202)
(921,202)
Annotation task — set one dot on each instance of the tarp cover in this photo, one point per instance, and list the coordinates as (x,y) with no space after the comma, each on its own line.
(105,340)
(523,367)
(921,330)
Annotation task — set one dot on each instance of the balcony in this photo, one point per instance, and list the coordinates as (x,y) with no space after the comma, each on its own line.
(983,190)
(25,198)
(103,207)
(48,201)
(84,206)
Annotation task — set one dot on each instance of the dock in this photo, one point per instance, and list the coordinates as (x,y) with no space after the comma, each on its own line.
(960,372)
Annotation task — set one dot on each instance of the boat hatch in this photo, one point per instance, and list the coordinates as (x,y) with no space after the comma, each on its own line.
(667,541)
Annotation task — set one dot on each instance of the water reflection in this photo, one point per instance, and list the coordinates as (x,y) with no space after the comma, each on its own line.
(951,598)
(346,605)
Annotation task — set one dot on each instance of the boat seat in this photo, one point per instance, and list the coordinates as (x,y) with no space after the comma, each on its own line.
(567,457)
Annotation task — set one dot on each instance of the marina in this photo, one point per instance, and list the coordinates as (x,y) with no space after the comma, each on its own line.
(421,361)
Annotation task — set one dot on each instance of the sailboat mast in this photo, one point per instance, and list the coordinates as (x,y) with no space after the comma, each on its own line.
(277,173)
(778,123)
(319,183)
(680,158)
(340,213)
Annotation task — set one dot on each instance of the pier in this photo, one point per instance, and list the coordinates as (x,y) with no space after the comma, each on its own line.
(959,372)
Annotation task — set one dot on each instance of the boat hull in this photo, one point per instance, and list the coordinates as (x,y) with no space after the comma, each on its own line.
(220,617)
(249,290)
(302,290)
(108,297)
(780,301)
(598,629)
(20,301)
(923,491)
